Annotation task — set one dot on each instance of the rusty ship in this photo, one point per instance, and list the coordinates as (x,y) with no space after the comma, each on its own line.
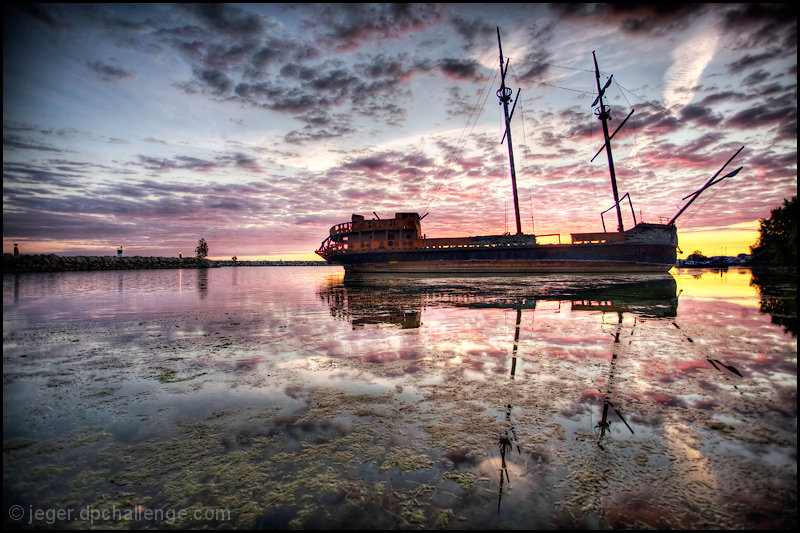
(398,245)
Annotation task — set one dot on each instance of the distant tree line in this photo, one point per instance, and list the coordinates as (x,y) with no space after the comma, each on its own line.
(697,256)
(777,241)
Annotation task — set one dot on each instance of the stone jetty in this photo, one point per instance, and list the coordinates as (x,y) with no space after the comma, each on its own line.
(55,263)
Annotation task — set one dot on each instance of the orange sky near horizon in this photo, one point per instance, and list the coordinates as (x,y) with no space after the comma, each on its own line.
(710,243)
(729,241)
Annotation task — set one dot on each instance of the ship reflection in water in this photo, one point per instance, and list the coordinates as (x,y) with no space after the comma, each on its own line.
(391,300)
(658,392)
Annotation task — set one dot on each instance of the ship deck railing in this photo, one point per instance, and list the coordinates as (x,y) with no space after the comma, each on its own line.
(344,227)
(461,242)
(558,235)
(329,245)
(598,237)
(503,241)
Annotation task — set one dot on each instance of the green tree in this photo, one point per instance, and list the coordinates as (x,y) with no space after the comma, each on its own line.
(202,249)
(777,241)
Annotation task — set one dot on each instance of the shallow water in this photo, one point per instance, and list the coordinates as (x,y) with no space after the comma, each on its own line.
(290,397)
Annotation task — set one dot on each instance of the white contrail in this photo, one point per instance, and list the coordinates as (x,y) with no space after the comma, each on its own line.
(690,60)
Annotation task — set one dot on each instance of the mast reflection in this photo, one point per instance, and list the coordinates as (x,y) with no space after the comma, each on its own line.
(605,424)
(516,344)
(506,444)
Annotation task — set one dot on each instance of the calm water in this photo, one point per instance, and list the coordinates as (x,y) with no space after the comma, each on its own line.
(274,398)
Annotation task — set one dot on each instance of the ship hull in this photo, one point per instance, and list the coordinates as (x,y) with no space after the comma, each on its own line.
(525,259)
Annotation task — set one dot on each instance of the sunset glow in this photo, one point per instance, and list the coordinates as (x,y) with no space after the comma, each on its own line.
(259,126)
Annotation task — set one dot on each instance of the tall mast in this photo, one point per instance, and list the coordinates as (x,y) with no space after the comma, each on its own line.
(604,115)
(504,94)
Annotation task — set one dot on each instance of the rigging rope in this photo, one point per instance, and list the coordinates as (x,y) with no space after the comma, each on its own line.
(635,129)
(455,153)
(661,109)
(644,163)
(461,142)
(526,157)
(553,65)
(696,209)
(484,93)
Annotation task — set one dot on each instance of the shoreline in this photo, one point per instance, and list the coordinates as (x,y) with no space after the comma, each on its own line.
(27,263)
(16,264)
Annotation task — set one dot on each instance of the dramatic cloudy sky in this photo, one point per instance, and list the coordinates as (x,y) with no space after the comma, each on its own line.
(257,127)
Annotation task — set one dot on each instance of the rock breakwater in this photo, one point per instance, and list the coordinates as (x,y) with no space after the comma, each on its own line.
(55,263)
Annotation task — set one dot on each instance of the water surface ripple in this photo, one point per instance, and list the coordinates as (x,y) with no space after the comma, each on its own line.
(293,397)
